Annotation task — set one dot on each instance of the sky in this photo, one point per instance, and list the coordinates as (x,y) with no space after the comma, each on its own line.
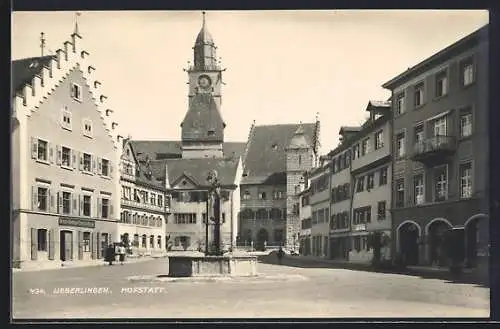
(282,66)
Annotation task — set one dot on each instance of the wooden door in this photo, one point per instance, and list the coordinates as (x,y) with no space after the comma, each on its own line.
(68,245)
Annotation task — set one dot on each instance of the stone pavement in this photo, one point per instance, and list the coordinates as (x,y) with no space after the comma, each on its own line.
(325,292)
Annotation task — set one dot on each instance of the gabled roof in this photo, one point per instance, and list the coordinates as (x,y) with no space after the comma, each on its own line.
(198,169)
(266,155)
(345,129)
(164,149)
(24,70)
(378,105)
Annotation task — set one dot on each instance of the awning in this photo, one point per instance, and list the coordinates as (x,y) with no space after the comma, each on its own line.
(440,115)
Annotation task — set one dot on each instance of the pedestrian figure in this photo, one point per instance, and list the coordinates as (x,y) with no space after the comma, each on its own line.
(280,254)
(121,253)
(110,254)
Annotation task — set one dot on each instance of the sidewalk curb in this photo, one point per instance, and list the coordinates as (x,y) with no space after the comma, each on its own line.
(82,265)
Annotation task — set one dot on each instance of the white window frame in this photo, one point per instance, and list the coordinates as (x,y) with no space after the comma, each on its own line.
(365,146)
(91,196)
(69,165)
(400,151)
(469,179)
(102,167)
(76,87)
(419,198)
(47,150)
(467,70)
(61,195)
(400,103)
(440,124)
(379,139)
(438,182)
(87,133)
(90,171)
(464,132)
(420,87)
(108,215)
(442,76)
(47,196)
(66,125)
(399,190)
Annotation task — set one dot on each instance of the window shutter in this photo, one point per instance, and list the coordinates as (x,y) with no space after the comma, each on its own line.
(98,245)
(110,210)
(51,153)
(94,165)
(80,208)
(52,244)
(99,164)
(98,203)
(34,197)
(93,245)
(74,163)
(74,209)
(59,155)
(110,169)
(34,148)
(80,245)
(81,161)
(59,202)
(72,90)
(34,244)
(52,201)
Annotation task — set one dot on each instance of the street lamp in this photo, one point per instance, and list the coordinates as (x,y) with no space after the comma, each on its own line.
(213,200)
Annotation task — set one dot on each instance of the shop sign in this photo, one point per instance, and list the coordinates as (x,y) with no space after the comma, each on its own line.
(78,222)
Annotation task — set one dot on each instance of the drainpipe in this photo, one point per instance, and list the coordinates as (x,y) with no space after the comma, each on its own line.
(329,251)
(232,220)
(353,188)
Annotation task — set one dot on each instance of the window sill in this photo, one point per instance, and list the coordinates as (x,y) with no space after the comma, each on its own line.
(438,98)
(464,138)
(67,167)
(79,100)
(67,128)
(87,173)
(418,107)
(464,87)
(88,136)
(105,177)
(45,162)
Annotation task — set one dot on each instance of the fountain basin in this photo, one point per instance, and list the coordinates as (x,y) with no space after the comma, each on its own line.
(199,266)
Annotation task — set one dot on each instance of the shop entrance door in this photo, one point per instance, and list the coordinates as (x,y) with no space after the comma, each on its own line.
(66,245)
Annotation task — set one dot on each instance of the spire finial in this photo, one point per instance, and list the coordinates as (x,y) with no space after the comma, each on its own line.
(203,13)
(76,23)
(42,41)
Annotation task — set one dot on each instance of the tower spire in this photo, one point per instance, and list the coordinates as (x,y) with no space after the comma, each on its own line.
(76,31)
(42,42)
(203,24)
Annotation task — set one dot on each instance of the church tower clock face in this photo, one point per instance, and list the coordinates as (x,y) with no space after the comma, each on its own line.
(204,82)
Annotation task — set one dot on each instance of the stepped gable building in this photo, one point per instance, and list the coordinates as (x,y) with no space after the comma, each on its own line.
(183,166)
(275,160)
(65,155)
(440,163)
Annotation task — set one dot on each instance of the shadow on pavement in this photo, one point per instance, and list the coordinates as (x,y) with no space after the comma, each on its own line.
(297,261)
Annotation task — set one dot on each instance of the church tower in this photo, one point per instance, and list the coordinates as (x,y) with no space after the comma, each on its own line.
(202,130)
(299,159)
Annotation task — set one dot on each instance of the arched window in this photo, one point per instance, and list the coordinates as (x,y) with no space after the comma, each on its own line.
(144,241)
(247,213)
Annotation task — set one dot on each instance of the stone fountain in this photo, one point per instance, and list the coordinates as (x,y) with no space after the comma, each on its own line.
(214,262)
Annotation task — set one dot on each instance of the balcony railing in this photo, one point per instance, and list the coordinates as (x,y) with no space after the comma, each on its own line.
(434,148)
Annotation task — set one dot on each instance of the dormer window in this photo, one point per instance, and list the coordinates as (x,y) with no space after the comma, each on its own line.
(76,92)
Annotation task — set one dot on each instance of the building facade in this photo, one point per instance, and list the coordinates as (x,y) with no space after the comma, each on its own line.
(341,191)
(65,155)
(440,163)
(274,161)
(320,209)
(371,198)
(305,222)
(145,206)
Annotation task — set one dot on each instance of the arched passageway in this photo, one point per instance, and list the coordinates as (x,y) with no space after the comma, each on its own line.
(436,235)
(262,236)
(476,239)
(409,236)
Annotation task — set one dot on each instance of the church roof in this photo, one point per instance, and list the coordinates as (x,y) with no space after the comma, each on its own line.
(24,70)
(203,120)
(204,37)
(165,149)
(197,169)
(266,157)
